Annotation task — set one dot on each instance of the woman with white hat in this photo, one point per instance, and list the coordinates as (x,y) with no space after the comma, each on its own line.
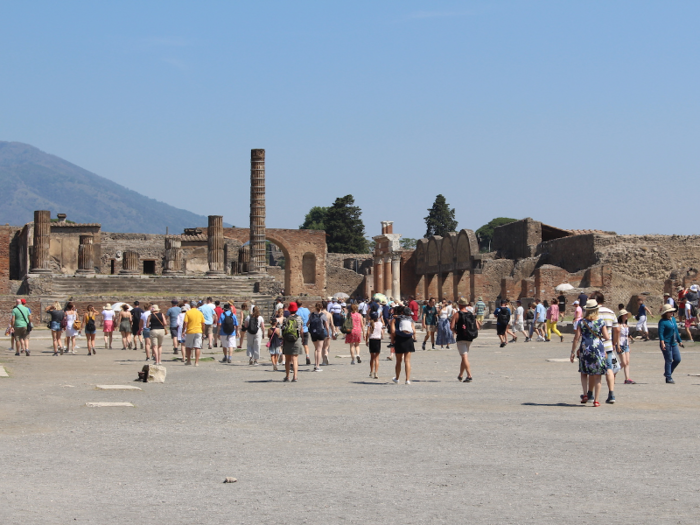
(592,364)
(669,340)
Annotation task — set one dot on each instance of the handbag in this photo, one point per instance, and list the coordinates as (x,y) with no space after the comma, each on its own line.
(30,326)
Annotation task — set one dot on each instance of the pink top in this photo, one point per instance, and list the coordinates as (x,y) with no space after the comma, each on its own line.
(553,313)
(578,314)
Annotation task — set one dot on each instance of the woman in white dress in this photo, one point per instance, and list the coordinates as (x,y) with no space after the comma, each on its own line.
(71,332)
(254,322)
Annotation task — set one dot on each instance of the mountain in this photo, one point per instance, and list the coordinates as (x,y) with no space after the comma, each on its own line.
(34,180)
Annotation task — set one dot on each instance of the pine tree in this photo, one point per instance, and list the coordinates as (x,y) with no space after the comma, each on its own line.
(345,231)
(315,219)
(440,219)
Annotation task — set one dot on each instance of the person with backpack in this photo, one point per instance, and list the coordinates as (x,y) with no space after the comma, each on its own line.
(73,326)
(21,323)
(466,328)
(502,314)
(403,329)
(305,313)
(274,343)
(429,322)
(354,330)
(56,313)
(90,324)
(254,326)
(318,329)
(373,340)
(228,331)
(292,347)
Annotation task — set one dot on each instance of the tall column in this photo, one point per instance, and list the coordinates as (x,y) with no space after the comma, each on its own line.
(257,211)
(396,276)
(42,238)
(378,276)
(130,263)
(173,257)
(86,255)
(215,240)
(387,277)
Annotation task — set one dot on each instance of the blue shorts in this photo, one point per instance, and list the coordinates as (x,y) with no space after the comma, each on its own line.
(146,333)
(624,349)
(90,331)
(55,326)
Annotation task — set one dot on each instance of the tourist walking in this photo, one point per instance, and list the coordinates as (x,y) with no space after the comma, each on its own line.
(244,313)
(540,320)
(281,315)
(355,336)
(180,334)
(107,324)
(429,322)
(73,327)
(466,328)
(327,340)
(480,309)
(519,321)
(502,314)
(218,310)
(136,336)
(642,319)
(373,340)
(254,327)
(144,330)
(578,314)
(444,334)
(404,330)
(337,317)
(553,319)
(611,359)
(623,347)
(21,323)
(124,321)
(228,331)
(669,341)
(172,314)
(156,324)
(304,313)
(592,333)
(56,319)
(318,329)
(690,318)
(274,342)
(209,313)
(193,327)
(90,326)
(292,334)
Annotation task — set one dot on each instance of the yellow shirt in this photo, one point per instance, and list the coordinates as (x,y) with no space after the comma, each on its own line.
(194,320)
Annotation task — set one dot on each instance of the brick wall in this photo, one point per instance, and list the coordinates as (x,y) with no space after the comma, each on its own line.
(6,234)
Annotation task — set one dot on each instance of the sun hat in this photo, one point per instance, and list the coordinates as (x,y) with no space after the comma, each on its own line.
(622,312)
(183,309)
(108,306)
(592,304)
(155,308)
(666,294)
(463,302)
(576,302)
(667,308)
(693,287)
(479,298)
(680,289)
(292,307)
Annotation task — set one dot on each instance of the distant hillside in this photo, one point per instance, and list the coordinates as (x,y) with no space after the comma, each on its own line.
(34,180)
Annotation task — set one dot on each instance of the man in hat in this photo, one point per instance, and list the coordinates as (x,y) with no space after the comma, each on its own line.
(172,314)
(480,308)
(612,344)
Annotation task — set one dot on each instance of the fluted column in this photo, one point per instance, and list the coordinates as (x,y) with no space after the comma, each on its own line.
(86,255)
(243,258)
(215,237)
(257,211)
(42,238)
(378,276)
(130,263)
(173,257)
(396,276)
(387,277)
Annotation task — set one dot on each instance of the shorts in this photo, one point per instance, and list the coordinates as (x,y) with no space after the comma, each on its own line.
(612,362)
(501,329)
(21,333)
(375,346)
(207,330)
(480,318)
(642,324)
(430,328)
(539,325)
(55,326)
(305,339)
(173,330)
(146,333)
(228,341)
(157,336)
(463,347)
(624,349)
(134,329)
(518,326)
(275,350)
(107,326)
(91,332)
(688,322)
(193,341)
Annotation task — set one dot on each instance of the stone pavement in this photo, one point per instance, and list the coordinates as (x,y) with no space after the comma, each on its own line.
(514,446)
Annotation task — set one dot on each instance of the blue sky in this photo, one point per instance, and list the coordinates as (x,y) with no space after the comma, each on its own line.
(581,114)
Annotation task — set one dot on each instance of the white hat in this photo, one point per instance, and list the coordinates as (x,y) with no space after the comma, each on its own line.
(592,304)
(694,287)
(576,302)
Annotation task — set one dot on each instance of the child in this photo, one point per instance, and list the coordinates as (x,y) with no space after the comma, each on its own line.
(274,343)
(373,339)
(624,347)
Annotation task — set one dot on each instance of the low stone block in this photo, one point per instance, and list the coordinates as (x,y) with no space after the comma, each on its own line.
(3,372)
(107,404)
(117,387)
(156,374)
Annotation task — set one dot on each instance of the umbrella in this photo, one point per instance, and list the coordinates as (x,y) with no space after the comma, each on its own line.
(565,287)
(379,297)
(118,306)
(341,295)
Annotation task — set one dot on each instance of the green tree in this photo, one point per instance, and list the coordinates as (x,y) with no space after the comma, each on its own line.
(315,219)
(485,233)
(345,231)
(407,243)
(440,219)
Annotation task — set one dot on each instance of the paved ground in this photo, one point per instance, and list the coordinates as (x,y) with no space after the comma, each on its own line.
(514,446)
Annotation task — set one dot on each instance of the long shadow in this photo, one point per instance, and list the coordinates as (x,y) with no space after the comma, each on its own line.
(264,381)
(571,405)
(368,383)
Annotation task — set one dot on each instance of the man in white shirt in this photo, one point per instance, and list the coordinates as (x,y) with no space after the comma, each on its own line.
(610,318)
(519,320)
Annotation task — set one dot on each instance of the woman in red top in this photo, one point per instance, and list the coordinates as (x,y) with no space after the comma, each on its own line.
(356,335)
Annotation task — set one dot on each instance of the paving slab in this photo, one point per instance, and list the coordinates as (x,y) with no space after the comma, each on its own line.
(101,404)
(3,372)
(117,387)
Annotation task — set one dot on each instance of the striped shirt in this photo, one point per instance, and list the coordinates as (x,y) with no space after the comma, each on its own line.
(607,315)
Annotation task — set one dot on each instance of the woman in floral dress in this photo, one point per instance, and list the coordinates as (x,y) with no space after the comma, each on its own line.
(591,333)
(357,334)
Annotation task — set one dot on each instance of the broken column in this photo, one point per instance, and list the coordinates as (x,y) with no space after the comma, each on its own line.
(215,238)
(378,275)
(387,277)
(130,263)
(42,238)
(257,211)
(396,276)
(86,255)
(173,257)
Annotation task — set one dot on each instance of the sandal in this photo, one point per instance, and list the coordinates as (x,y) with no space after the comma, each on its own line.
(596,404)
(584,399)
(630,382)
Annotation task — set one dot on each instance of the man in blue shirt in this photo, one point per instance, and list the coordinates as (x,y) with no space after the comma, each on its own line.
(540,319)
(207,310)
(172,314)
(228,341)
(304,313)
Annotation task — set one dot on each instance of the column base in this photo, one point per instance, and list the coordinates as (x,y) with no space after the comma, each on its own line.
(129,272)
(40,270)
(215,273)
(85,272)
(173,272)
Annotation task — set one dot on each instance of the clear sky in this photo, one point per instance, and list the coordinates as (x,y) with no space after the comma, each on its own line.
(581,114)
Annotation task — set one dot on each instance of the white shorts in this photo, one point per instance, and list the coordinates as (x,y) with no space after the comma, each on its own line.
(518,326)
(642,324)
(463,347)
(193,341)
(228,341)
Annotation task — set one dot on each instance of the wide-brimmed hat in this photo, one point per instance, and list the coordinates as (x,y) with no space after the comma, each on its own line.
(183,308)
(155,308)
(680,289)
(108,306)
(479,298)
(622,312)
(292,307)
(694,287)
(668,308)
(592,304)
(666,294)
(463,302)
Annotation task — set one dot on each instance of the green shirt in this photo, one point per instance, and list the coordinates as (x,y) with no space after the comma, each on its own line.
(21,320)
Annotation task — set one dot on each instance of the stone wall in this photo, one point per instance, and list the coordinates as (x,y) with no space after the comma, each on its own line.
(151,247)
(517,240)
(571,253)
(343,280)
(6,234)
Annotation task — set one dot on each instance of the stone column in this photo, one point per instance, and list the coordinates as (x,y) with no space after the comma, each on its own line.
(257,211)
(378,276)
(130,263)
(86,255)
(387,277)
(42,238)
(396,276)
(215,238)
(173,257)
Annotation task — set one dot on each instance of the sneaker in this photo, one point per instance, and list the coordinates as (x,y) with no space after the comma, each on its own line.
(459,378)
(224,360)
(358,359)
(318,369)
(376,376)
(611,398)
(325,361)
(388,358)
(670,381)
(228,360)
(433,349)
(502,345)
(255,363)
(188,363)
(285,380)
(423,345)
(408,382)
(527,339)
(308,361)
(629,382)
(468,379)
(294,380)
(250,361)
(351,362)
(371,375)
(395,380)
(17,353)
(27,352)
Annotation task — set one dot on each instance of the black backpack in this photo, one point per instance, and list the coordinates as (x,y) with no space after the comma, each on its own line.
(316,328)
(253,325)
(503,316)
(90,325)
(228,327)
(465,327)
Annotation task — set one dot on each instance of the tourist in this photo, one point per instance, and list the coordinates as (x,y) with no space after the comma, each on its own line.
(404,329)
(73,327)
(123,320)
(429,322)
(578,313)
(592,333)
(355,335)
(362,308)
(218,310)
(668,300)
(180,334)
(90,325)
(144,330)
(623,347)
(530,318)
(156,325)
(373,339)
(107,324)
(336,312)
(318,329)
(669,341)
(193,327)
(682,291)
(172,314)
(480,307)
(136,313)
(56,313)
(582,298)
(540,320)
(292,335)
(502,314)
(274,342)
(613,341)
(519,321)
(511,322)
(415,309)
(553,319)
(209,314)
(444,334)
(642,319)
(254,326)
(244,313)
(327,340)
(281,314)
(690,319)
(20,321)
(228,331)
(304,313)
(466,327)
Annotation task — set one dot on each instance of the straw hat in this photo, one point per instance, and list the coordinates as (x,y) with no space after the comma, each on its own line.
(155,308)
(668,308)
(622,312)
(463,302)
(108,306)
(592,304)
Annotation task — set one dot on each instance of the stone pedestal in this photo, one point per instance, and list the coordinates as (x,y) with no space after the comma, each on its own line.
(396,276)
(86,255)
(42,238)
(257,211)
(215,238)
(173,257)
(130,263)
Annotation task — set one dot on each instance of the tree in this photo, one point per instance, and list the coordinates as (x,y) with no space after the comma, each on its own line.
(315,219)
(440,219)
(485,233)
(345,231)
(407,243)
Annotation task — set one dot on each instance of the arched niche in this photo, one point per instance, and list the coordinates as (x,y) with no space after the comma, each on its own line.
(308,268)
